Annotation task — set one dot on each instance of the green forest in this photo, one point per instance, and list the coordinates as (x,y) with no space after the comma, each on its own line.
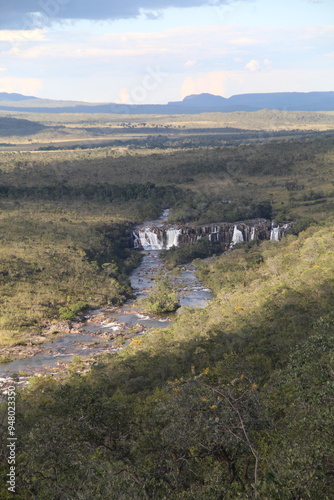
(231,401)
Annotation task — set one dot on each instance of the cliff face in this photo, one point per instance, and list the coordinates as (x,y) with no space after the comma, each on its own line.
(228,233)
(225,232)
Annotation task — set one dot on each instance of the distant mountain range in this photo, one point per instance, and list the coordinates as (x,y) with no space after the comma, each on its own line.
(289,101)
(192,104)
(4,96)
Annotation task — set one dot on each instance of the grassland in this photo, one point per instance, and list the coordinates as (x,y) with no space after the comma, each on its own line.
(54,203)
(81,130)
(258,120)
(284,171)
(232,401)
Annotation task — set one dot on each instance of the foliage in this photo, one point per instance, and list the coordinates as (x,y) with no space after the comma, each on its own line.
(200,209)
(219,405)
(233,400)
(13,126)
(52,257)
(71,311)
(301,225)
(160,195)
(186,253)
(163,299)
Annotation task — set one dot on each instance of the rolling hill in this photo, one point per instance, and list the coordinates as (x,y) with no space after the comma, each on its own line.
(5,96)
(17,127)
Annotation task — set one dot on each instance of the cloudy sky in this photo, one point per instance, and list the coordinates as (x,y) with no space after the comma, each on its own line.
(155,51)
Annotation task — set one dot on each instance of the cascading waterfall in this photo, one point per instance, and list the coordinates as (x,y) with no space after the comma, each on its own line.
(275,233)
(214,231)
(165,215)
(237,237)
(172,238)
(136,240)
(157,235)
(159,239)
(150,240)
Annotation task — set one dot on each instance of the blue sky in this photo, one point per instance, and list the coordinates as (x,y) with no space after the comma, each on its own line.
(153,51)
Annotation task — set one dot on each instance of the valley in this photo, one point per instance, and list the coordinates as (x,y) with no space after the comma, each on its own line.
(167,304)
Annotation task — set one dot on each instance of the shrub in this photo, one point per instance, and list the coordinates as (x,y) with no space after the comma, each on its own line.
(301,225)
(187,253)
(70,312)
(163,299)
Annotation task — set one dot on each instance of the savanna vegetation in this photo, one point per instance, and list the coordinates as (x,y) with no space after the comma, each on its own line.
(91,130)
(232,401)
(64,214)
(162,299)
(18,126)
(56,253)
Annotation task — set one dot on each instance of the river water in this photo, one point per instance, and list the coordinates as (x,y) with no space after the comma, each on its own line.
(110,329)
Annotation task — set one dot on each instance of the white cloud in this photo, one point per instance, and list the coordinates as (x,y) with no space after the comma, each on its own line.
(20,85)
(191,44)
(36,35)
(180,46)
(190,64)
(123,96)
(82,52)
(3,69)
(212,82)
(108,65)
(316,32)
(244,41)
(29,53)
(253,65)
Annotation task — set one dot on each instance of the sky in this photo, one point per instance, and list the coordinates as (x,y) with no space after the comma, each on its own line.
(156,51)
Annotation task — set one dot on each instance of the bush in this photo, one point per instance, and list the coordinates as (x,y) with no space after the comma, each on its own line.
(187,253)
(163,299)
(301,225)
(70,312)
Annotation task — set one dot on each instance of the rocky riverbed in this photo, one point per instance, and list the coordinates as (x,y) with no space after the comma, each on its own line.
(103,330)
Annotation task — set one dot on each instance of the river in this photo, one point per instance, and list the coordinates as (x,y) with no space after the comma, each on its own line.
(110,329)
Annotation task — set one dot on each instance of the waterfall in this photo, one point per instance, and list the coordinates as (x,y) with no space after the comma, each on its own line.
(237,237)
(159,235)
(136,240)
(214,234)
(172,238)
(274,234)
(158,239)
(165,215)
(150,240)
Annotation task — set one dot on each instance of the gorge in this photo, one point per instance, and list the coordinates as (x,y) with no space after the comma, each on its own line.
(105,330)
(110,328)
